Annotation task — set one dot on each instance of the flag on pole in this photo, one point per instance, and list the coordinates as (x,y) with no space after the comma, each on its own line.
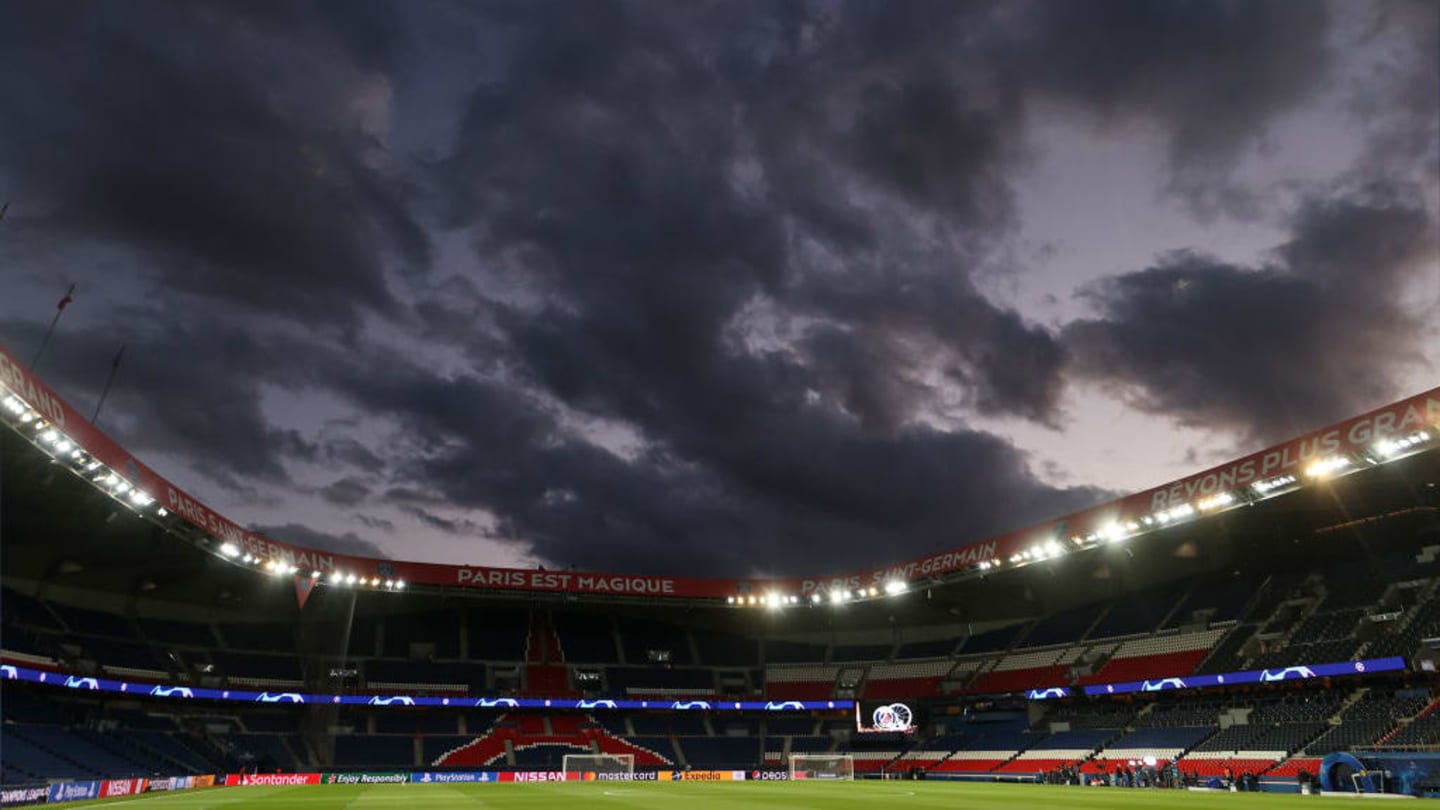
(304,586)
(65,302)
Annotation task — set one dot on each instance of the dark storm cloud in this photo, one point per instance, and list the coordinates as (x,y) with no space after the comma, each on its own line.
(299,535)
(211,414)
(1211,75)
(346,492)
(1317,334)
(723,282)
(618,172)
(236,167)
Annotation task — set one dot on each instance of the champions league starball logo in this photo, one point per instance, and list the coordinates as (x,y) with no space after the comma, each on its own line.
(895,717)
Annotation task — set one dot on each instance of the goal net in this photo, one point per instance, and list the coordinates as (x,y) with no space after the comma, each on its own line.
(602,766)
(822,766)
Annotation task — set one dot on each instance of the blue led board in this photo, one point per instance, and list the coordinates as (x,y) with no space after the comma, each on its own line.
(1340,669)
(14,673)
(1048,694)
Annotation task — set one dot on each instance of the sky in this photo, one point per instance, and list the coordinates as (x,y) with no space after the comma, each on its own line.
(714,288)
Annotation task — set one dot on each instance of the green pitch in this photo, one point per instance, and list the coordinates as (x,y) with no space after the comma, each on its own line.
(714,796)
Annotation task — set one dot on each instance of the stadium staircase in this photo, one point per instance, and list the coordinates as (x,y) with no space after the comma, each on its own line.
(516,733)
(545,672)
(1430,709)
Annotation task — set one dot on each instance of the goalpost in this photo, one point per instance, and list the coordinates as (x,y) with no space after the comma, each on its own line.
(604,766)
(822,766)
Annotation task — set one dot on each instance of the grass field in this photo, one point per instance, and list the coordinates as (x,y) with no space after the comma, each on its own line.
(715,796)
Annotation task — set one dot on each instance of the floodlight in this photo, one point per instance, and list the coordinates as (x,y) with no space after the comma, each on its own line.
(230,550)
(895,587)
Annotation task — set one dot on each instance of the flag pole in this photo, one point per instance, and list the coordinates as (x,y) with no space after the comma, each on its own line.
(114,367)
(59,310)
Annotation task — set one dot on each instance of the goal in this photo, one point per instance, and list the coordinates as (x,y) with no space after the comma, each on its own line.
(598,766)
(822,766)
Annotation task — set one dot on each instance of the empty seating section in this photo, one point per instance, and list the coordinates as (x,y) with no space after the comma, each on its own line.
(426,634)
(162,631)
(800,683)
(266,752)
(80,621)
(25,610)
(788,726)
(1228,655)
(496,634)
(860,652)
(1021,671)
(258,637)
(1217,598)
(723,649)
(1061,748)
(1210,764)
(625,681)
(793,652)
(911,679)
(1184,712)
(1064,627)
(1161,656)
(991,641)
(1405,640)
(1134,613)
(1368,720)
(1423,730)
(1161,743)
(1092,715)
(719,752)
(258,668)
(122,655)
(586,638)
(926,649)
(641,639)
(390,675)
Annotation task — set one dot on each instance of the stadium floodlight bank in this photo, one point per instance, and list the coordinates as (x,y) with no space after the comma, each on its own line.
(822,766)
(605,766)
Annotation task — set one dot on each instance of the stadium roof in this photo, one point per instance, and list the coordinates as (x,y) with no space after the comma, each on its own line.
(1367,465)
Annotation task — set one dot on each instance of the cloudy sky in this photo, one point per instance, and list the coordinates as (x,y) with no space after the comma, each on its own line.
(714,288)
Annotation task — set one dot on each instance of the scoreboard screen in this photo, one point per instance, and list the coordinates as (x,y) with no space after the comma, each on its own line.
(884,718)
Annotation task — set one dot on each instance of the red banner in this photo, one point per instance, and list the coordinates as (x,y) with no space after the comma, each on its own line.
(122,787)
(1351,436)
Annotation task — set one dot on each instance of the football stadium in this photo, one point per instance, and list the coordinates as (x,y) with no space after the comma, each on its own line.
(1256,634)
